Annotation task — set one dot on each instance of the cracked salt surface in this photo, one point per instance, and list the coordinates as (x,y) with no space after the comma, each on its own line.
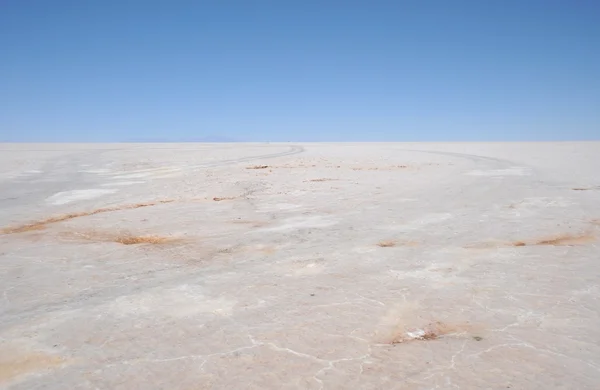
(302,297)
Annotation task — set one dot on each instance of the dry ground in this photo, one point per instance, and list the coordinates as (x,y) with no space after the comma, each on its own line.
(317,266)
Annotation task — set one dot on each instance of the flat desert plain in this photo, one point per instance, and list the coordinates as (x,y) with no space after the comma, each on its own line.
(300,266)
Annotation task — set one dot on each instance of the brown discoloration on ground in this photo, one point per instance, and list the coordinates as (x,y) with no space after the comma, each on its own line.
(124,238)
(431,331)
(148,239)
(15,366)
(393,243)
(404,323)
(41,224)
(427,335)
(558,240)
(567,240)
(386,244)
(258,167)
(220,199)
(267,250)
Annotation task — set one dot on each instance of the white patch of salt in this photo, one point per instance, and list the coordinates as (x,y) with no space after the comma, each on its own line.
(76,195)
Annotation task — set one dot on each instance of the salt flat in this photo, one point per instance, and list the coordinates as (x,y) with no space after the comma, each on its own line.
(300,266)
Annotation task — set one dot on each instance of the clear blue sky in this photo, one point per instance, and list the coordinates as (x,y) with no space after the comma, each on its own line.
(299,70)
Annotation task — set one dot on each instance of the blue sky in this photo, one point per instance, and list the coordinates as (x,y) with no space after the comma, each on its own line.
(299,70)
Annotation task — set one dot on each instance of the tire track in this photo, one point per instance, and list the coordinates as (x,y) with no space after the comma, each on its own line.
(294,149)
